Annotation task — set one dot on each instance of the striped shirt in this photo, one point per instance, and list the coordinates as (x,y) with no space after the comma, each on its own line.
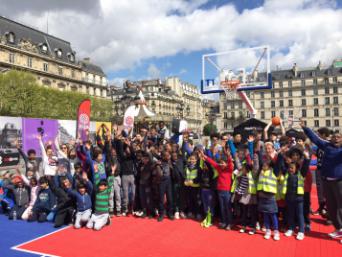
(242,186)
(102,197)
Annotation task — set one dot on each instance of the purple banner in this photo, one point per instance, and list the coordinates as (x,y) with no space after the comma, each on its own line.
(32,127)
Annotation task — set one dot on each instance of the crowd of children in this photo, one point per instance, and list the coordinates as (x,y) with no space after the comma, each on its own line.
(250,185)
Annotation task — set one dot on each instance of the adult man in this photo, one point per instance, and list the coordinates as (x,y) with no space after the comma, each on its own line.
(331,172)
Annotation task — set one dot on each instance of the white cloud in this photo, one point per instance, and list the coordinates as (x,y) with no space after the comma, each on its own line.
(153,71)
(182,71)
(124,33)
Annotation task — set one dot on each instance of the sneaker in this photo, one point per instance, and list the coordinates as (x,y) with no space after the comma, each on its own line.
(108,221)
(124,214)
(335,234)
(144,215)
(276,236)
(252,232)
(111,213)
(228,228)
(257,226)
(289,233)
(222,225)
(118,214)
(307,228)
(267,234)
(182,215)
(171,217)
(177,215)
(160,218)
(242,230)
(300,236)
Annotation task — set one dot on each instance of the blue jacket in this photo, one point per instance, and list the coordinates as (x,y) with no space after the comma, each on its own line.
(83,202)
(46,201)
(332,158)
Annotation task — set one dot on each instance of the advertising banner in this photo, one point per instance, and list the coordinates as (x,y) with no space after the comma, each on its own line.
(83,119)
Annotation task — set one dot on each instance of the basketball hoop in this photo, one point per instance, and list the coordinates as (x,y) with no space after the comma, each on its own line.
(229,87)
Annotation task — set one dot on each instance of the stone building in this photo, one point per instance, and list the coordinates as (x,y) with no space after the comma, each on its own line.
(312,93)
(50,59)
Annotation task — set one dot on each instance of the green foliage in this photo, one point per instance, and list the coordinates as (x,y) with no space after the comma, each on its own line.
(208,129)
(20,95)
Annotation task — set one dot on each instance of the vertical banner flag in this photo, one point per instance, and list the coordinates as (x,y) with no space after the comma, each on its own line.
(83,119)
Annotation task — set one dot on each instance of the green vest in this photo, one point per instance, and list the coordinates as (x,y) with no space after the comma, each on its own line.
(300,186)
(251,184)
(191,174)
(267,182)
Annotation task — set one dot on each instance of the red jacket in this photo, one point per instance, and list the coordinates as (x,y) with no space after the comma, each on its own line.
(224,179)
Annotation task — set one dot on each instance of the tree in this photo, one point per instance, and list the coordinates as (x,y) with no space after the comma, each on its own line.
(209,129)
(22,96)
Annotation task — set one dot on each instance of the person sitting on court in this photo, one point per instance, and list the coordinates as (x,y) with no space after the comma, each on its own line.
(45,203)
(100,217)
(83,201)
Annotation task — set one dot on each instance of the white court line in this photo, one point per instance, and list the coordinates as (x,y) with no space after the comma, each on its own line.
(16,247)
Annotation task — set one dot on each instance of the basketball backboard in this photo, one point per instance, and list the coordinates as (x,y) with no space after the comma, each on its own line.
(250,67)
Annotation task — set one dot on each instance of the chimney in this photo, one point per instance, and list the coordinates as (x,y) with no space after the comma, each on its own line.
(295,69)
(86,59)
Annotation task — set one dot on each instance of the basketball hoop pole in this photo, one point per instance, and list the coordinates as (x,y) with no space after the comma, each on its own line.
(248,103)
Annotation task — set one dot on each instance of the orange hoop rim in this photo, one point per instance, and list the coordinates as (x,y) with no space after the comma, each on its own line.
(231,84)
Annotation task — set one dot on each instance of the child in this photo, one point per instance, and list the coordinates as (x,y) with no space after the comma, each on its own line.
(267,189)
(293,190)
(192,188)
(21,196)
(45,203)
(165,186)
(178,184)
(145,173)
(225,169)
(33,184)
(83,201)
(100,217)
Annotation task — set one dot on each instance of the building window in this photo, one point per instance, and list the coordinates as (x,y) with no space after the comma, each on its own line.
(60,71)
(225,125)
(327,100)
(281,84)
(262,95)
(327,112)
(335,90)
(326,81)
(290,112)
(44,48)
(93,78)
(315,82)
(290,93)
(10,37)
(302,83)
(45,67)
(303,92)
(232,114)
(71,57)
(11,58)
(272,104)
(336,111)
(335,99)
(303,102)
(290,83)
(273,113)
(281,94)
(281,103)
(29,62)
(315,101)
(225,116)
(313,74)
(302,75)
(262,104)
(315,91)
(72,73)
(316,112)
(336,123)
(304,113)
(262,115)
(328,123)
(326,90)
(335,79)
(290,102)
(316,122)
(272,93)
(58,53)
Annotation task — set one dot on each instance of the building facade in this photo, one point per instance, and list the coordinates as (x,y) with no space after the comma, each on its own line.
(52,60)
(314,94)
(168,99)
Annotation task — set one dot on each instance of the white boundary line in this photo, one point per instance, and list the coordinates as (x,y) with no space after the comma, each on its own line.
(16,247)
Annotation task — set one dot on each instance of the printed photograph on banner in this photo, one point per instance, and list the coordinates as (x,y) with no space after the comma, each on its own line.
(67,131)
(92,131)
(102,128)
(48,129)
(10,131)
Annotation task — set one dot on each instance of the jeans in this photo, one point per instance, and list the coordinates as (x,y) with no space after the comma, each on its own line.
(333,193)
(268,217)
(252,209)
(127,183)
(307,204)
(145,198)
(165,187)
(225,206)
(295,209)
(115,194)
(208,200)
(178,197)
(193,197)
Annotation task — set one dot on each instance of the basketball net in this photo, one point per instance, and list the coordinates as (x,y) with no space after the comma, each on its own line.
(229,87)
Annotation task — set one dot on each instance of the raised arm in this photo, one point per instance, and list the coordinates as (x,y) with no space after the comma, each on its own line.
(60,154)
(313,136)
(266,130)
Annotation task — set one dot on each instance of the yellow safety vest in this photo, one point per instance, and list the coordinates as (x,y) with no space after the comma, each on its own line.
(251,184)
(300,186)
(191,174)
(267,182)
